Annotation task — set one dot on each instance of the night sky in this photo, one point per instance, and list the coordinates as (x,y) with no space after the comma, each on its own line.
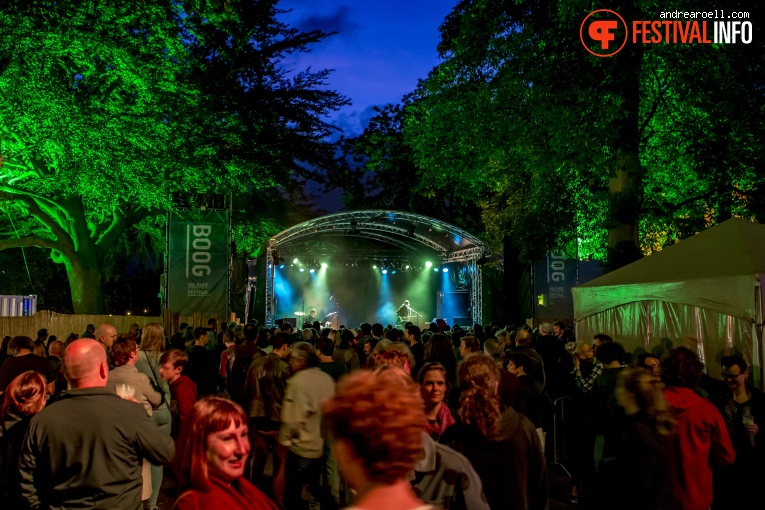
(382,48)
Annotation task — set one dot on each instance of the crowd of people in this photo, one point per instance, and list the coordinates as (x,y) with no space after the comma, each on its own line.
(371,418)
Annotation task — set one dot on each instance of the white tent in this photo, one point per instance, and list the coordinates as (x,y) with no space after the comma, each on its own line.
(703,292)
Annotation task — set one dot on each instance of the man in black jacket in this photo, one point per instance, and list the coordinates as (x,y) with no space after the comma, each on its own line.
(85,450)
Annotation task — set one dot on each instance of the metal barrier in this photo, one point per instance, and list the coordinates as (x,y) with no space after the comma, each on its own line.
(562,438)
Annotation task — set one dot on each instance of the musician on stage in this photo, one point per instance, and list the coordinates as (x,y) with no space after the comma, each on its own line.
(404,313)
(311,317)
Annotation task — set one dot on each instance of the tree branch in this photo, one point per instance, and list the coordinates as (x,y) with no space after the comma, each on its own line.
(26,242)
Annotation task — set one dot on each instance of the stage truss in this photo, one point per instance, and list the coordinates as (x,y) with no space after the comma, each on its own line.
(402,230)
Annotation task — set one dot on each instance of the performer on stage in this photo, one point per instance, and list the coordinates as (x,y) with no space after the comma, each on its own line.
(311,317)
(404,313)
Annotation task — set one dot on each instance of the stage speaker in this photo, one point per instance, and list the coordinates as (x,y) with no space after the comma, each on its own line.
(464,322)
(291,320)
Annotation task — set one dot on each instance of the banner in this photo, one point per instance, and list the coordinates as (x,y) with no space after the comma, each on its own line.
(197,270)
(554,277)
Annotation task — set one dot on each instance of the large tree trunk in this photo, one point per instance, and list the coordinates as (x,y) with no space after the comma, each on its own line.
(85,282)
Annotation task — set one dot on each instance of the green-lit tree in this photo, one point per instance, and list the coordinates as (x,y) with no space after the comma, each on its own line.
(106,108)
(627,152)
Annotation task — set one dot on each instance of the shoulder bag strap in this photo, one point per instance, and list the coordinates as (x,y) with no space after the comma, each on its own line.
(156,383)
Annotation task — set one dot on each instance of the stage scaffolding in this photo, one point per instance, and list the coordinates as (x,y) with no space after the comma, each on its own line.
(405,231)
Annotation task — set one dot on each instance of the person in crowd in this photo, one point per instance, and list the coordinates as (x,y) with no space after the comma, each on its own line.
(55,353)
(24,398)
(87,446)
(178,340)
(370,345)
(551,350)
(210,468)
(69,339)
(148,363)
(702,440)
(4,355)
(42,336)
(134,330)
(203,364)
(537,405)
(90,331)
(469,345)
(649,361)
(212,334)
(244,354)
(183,391)
(127,382)
(376,421)
(744,413)
(301,425)
(266,383)
(585,369)
(503,446)
(22,348)
(39,349)
(106,334)
(325,348)
(413,337)
(645,466)
(344,352)
(494,349)
(227,356)
(523,346)
(365,334)
(607,415)
(439,350)
(432,378)
(558,328)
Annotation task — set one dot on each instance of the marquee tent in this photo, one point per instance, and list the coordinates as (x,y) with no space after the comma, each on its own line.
(703,292)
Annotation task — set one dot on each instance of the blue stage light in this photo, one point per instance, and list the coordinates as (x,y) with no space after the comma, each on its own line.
(393,272)
(384,271)
(281,266)
(435,269)
(313,270)
(302,269)
(446,270)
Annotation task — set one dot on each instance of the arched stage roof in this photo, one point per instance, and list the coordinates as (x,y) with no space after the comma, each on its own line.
(403,230)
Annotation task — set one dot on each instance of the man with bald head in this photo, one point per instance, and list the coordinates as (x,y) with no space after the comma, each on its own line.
(106,334)
(85,450)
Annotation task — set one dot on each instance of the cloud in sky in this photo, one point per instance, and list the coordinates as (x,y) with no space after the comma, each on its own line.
(338,21)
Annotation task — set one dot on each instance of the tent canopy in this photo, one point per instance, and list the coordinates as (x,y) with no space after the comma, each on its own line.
(715,269)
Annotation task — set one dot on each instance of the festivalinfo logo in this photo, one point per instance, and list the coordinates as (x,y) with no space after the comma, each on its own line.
(604,32)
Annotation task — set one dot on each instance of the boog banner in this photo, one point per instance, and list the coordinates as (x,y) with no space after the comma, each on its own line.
(198,262)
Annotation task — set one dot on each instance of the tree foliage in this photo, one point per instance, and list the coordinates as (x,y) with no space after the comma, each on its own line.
(559,146)
(106,108)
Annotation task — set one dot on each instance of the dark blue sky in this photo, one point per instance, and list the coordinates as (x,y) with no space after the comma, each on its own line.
(383,47)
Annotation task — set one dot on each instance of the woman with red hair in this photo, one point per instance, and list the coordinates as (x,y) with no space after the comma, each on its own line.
(376,421)
(210,467)
(23,398)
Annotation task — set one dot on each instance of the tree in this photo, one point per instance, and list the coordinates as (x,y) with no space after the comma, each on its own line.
(107,108)
(561,146)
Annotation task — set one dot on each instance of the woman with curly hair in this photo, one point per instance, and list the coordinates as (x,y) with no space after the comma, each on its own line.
(376,421)
(23,398)
(502,445)
(210,467)
(644,467)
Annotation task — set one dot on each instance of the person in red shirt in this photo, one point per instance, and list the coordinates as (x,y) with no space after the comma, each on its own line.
(702,440)
(183,391)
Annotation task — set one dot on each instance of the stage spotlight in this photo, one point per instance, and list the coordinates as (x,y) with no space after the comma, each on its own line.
(393,272)
(374,266)
(324,265)
(428,264)
(384,271)
(435,269)
(281,266)
(295,261)
(302,269)
(312,270)
(446,270)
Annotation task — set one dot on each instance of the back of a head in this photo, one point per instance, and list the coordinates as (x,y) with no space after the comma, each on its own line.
(20,342)
(523,337)
(199,333)
(681,368)
(208,416)
(610,352)
(346,336)
(366,329)
(471,343)
(325,346)
(377,329)
(603,338)
(153,338)
(307,334)
(83,360)
(56,348)
(281,339)
(380,416)
(546,328)
(479,401)
(439,348)
(250,333)
(646,392)
(305,354)
(262,341)
(391,354)
(25,395)
(123,347)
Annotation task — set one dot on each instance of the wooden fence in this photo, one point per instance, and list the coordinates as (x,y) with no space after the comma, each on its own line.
(61,325)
